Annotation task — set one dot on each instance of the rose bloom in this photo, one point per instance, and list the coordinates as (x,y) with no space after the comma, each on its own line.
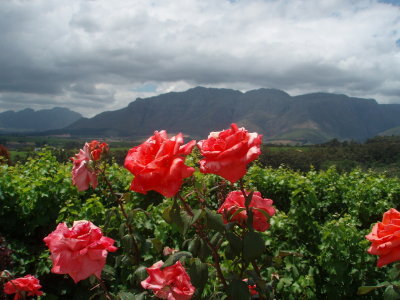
(82,174)
(28,284)
(158,164)
(227,153)
(385,238)
(97,149)
(80,251)
(235,200)
(172,283)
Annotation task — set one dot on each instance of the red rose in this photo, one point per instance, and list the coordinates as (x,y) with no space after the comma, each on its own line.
(385,238)
(96,149)
(158,164)
(82,174)
(79,251)
(172,283)
(228,152)
(28,284)
(236,201)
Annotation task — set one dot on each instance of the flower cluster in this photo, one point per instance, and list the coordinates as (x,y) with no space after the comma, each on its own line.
(159,165)
(83,171)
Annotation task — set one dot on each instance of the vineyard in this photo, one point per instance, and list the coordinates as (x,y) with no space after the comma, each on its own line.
(315,247)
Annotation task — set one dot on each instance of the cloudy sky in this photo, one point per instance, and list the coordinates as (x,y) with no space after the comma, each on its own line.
(92,56)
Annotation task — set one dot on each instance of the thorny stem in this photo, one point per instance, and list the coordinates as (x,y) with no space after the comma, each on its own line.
(249,212)
(120,202)
(257,270)
(203,236)
(104,287)
(247,204)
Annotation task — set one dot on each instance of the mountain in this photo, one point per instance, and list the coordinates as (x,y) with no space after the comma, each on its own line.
(28,120)
(310,118)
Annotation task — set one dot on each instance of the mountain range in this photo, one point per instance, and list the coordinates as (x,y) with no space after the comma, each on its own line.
(310,118)
(281,118)
(28,120)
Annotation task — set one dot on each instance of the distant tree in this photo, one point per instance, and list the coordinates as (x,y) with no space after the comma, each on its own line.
(4,155)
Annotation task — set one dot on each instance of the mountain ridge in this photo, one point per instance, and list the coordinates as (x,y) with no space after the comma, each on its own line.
(29,120)
(280,117)
(271,112)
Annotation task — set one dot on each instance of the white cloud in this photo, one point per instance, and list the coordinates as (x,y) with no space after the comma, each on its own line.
(95,55)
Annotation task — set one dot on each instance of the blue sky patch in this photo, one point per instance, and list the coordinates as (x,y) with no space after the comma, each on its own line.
(147,88)
(395,2)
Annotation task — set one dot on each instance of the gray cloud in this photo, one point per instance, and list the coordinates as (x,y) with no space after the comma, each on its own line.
(92,56)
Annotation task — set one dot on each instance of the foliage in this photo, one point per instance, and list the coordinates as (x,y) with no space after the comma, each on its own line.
(314,249)
(379,153)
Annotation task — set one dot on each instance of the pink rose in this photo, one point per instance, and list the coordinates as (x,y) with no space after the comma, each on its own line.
(172,283)
(28,284)
(82,174)
(385,238)
(235,201)
(158,164)
(227,153)
(80,251)
(97,149)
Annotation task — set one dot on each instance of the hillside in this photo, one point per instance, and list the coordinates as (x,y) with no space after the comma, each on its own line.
(28,120)
(310,118)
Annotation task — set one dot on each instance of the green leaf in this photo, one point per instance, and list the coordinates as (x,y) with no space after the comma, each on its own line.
(204,250)
(194,245)
(166,215)
(127,241)
(238,290)
(175,257)
(214,221)
(253,246)
(176,216)
(197,215)
(157,244)
(186,221)
(235,242)
(394,272)
(198,273)
(216,239)
(140,273)
(130,296)
(362,290)
(391,293)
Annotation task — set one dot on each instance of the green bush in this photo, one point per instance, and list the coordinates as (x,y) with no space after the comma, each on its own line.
(315,247)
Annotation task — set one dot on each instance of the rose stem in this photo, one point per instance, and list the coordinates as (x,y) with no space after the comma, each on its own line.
(128,224)
(247,203)
(104,287)
(204,237)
